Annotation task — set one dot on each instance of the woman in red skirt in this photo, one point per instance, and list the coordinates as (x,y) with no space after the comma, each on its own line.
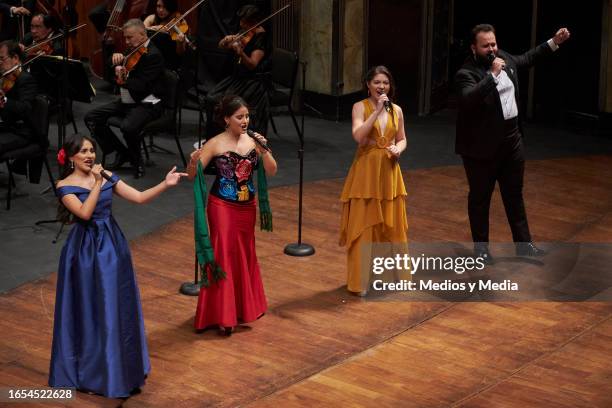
(232,290)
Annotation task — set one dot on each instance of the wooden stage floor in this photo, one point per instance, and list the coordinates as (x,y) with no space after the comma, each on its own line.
(319,346)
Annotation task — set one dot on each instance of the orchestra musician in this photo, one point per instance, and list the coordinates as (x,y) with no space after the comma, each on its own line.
(173,44)
(43,27)
(17,92)
(251,56)
(141,89)
(12,11)
(14,8)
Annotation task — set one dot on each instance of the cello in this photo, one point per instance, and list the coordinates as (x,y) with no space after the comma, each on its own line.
(112,38)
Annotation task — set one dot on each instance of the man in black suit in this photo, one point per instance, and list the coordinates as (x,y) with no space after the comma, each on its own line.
(12,14)
(142,90)
(489,134)
(42,28)
(13,8)
(16,102)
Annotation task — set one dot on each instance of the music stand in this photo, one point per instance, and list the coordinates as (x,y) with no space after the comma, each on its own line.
(49,71)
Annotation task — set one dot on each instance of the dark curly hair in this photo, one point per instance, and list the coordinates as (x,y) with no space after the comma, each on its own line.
(71,146)
(227,106)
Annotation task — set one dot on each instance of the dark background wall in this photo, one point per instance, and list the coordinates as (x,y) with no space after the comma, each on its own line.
(569,82)
(394,40)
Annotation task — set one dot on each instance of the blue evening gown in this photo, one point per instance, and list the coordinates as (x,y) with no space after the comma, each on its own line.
(99,341)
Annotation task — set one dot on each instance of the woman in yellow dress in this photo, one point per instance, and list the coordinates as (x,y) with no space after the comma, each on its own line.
(373,197)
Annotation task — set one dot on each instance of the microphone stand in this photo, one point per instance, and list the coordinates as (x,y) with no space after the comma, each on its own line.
(300,248)
(193,288)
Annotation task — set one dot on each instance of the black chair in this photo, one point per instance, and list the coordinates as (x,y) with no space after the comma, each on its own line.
(166,123)
(191,97)
(37,149)
(283,77)
(199,74)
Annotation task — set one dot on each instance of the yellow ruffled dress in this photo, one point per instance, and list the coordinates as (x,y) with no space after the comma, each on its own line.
(373,202)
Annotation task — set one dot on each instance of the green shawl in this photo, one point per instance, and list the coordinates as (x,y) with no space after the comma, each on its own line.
(203,247)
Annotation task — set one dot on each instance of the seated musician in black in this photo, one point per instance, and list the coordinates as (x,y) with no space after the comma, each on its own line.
(13,8)
(43,27)
(142,89)
(16,96)
(172,49)
(11,11)
(246,80)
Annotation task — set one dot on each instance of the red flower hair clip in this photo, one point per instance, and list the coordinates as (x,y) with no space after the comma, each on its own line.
(61,156)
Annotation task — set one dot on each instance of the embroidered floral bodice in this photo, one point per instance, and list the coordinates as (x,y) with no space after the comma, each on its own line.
(234,181)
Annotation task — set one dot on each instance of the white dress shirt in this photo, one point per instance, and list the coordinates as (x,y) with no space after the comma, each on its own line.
(505,88)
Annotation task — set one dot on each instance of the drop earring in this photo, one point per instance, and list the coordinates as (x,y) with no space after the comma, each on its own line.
(71,164)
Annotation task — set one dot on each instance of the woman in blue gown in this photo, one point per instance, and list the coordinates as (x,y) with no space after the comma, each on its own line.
(99,341)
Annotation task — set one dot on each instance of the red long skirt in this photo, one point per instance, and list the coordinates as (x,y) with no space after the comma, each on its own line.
(240,296)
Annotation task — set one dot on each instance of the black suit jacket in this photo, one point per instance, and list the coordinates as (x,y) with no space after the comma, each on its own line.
(147,76)
(18,107)
(5,6)
(480,119)
(8,28)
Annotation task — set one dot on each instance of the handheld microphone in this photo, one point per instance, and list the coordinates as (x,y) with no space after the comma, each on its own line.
(252,134)
(387,104)
(491,57)
(105,175)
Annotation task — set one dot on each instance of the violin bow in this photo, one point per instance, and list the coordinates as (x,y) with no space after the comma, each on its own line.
(53,38)
(21,65)
(261,22)
(166,27)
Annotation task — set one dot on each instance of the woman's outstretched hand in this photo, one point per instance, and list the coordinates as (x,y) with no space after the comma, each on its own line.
(173,177)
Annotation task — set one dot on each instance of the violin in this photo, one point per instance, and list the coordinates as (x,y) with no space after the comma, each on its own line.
(247,38)
(9,78)
(129,62)
(174,27)
(120,12)
(43,48)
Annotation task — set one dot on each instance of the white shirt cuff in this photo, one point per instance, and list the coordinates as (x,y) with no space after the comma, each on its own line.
(495,78)
(552,45)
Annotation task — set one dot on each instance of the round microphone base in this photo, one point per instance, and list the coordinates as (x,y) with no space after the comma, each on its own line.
(190,289)
(299,250)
